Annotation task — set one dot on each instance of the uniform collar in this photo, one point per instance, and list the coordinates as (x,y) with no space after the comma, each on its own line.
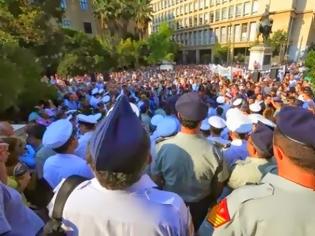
(283,183)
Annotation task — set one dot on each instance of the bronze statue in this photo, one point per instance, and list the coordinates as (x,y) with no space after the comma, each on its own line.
(265,25)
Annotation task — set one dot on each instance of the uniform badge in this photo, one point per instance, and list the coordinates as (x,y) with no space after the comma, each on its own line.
(219,214)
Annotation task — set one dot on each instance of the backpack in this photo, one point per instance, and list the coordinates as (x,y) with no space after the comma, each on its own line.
(54,226)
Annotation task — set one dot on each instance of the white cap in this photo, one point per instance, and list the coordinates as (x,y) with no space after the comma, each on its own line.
(205,125)
(239,123)
(71,112)
(220,100)
(166,127)
(101,90)
(217,122)
(95,91)
(156,119)
(57,133)
(237,102)
(232,112)
(257,117)
(90,119)
(106,99)
(255,107)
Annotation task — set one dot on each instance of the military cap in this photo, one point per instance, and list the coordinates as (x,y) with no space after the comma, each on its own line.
(262,137)
(191,107)
(298,124)
(117,140)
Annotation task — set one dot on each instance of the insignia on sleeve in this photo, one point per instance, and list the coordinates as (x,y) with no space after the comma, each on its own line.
(219,214)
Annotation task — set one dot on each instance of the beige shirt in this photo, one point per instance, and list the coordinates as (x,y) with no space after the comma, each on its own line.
(277,207)
(248,171)
(188,164)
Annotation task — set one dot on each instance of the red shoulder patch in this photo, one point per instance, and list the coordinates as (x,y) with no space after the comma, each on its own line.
(219,214)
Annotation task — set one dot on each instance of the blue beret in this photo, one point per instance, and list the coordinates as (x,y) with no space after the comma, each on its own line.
(117,140)
(192,107)
(298,124)
(262,137)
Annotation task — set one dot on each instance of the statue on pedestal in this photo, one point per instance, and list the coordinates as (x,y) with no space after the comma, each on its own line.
(265,25)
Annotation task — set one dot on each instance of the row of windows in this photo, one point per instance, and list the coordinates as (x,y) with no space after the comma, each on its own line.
(236,33)
(84,4)
(87,26)
(241,9)
(195,5)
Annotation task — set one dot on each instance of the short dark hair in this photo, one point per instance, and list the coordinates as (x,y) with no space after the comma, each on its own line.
(36,130)
(190,124)
(300,154)
(64,148)
(120,180)
(216,131)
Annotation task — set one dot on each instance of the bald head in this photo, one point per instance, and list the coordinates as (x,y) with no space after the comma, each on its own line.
(6,129)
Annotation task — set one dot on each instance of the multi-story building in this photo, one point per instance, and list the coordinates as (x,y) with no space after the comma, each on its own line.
(79,16)
(199,24)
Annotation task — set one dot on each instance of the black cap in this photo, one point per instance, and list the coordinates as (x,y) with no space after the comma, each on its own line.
(262,138)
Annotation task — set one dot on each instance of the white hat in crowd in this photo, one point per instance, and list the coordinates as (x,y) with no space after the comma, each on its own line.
(57,133)
(90,119)
(239,123)
(255,107)
(217,122)
(258,117)
(237,102)
(220,100)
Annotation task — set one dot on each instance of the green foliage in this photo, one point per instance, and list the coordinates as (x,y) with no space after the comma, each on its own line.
(123,17)
(220,53)
(161,46)
(82,55)
(278,41)
(310,63)
(19,79)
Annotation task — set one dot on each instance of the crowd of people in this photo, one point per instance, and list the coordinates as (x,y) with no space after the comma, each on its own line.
(151,152)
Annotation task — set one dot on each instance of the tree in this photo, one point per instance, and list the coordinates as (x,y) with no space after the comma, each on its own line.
(142,16)
(161,46)
(310,63)
(278,42)
(220,53)
(82,54)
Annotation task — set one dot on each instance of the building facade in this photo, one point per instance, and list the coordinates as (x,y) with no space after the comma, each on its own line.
(79,16)
(199,24)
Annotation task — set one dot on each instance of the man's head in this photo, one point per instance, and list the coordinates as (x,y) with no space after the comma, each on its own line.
(87,123)
(293,141)
(60,137)
(6,129)
(118,157)
(217,124)
(191,110)
(238,124)
(35,134)
(260,142)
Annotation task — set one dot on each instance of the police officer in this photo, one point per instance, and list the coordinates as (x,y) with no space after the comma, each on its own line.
(59,136)
(280,205)
(187,163)
(217,124)
(121,200)
(259,162)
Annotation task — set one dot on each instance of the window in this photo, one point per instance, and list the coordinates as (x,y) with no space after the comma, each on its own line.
(186,8)
(217,34)
(255,6)
(207,3)
(223,34)
(181,10)
(252,32)
(201,4)
(196,5)
(84,4)
(63,4)
(218,2)
(231,12)
(211,19)
(224,1)
(66,23)
(212,36)
(244,34)
(195,20)
(238,11)
(247,7)
(212,2)
(191,7)
(207,17)
(237,33)
(190,22)
(224,13)
(201,19)
(217,15)
(87,27)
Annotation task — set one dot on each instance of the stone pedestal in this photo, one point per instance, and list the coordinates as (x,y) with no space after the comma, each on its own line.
(260,57)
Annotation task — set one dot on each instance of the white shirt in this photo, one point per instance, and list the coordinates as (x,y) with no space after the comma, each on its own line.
(140,210)
(82,144)
(237,151)
(15,218)
(62,166)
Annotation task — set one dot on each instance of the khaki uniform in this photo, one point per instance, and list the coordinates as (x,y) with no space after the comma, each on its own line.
(249,171)
(277,207)
(188,165)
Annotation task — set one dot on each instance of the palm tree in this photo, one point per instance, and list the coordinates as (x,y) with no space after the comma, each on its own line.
(142,16)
